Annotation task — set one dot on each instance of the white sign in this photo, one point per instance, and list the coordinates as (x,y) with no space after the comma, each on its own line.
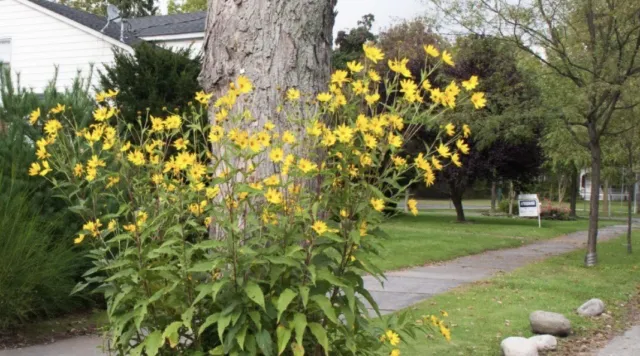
(529,206)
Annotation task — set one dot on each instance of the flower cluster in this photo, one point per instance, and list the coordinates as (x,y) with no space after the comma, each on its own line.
(216,230)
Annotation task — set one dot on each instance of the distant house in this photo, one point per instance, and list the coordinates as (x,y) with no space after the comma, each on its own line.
(37,35)
(618,191)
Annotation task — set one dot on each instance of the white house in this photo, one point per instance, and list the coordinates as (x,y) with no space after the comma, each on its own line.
(38,35)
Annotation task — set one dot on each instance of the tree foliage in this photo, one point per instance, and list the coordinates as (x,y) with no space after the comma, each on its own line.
(349,44)
(178,7)
(128,8)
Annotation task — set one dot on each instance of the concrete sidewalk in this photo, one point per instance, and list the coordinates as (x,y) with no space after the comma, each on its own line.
(402,288)
(623,345)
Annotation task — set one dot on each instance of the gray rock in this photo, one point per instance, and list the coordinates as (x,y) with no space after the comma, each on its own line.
(545,342)
(543,322)
(592,307)
(518,346)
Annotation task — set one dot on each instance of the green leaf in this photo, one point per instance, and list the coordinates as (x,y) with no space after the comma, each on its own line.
(283,334)
(351,297)
(255,316)
(153,342)
(187,316)
(208,244)
(321,335)
(326,275)
(324,304)
(78,288)
(299,324)
(253,291)
(297,349)
(223,322)
(219,350)
(264,342)
(284,300)
(241,336)
(211,319)
(171,333)
(304,293)
(283,260)
(207,266)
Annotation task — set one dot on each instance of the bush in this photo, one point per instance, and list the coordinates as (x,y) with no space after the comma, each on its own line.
(37,269)
(550,212)
(503,206)
(257,243)
(152,78)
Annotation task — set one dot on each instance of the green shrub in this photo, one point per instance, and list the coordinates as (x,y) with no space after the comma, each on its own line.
(503,206)
(37,270)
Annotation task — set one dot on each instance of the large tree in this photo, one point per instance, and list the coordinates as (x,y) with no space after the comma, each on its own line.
(594,45)
(349,44)
(277,44)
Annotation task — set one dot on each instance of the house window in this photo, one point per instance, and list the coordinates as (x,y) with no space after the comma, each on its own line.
(5,50)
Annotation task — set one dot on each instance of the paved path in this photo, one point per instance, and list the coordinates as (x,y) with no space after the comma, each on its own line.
(407,287)
(402,288)
(627,344)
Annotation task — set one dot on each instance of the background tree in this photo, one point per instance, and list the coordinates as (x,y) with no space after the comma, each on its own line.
(178,7)
(128,8)
(593,45)
(349,45)
(153,79)
(286,44)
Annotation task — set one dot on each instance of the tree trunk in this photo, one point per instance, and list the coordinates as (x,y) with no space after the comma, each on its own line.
(562,188)
(277,44)
(629,214)
(512,195)
(573,194)
(591,259)
(457,203)
(605,197)
(494,197)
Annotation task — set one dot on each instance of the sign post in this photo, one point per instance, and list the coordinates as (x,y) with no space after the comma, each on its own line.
(529,206)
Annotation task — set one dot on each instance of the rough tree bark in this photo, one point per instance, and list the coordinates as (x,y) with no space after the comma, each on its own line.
(605,197)
(456,199)
(277,44)
(591,258)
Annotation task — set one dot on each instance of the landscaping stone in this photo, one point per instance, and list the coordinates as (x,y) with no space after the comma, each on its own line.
(592,307)
(545,342)
(518,346)
(544,322)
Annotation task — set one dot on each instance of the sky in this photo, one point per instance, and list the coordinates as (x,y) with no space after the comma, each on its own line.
(386,12)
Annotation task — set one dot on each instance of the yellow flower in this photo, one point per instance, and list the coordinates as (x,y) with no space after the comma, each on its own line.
(244,85)
(197,209)
(422,163)
(137,158)
(111,181)
(426,85)
(430,50)
(363,229)
(125,147)
(445,331)
(273,196)
(52,127)
(203,98)
(293,94)
(395,140)
(269,126)
(111,93)
(58,109)
(101,96)
(157,124)
(42,153)
(276,155)
(444,313)
(130,228)
(78,169)
(344,213)
(470,84)
(306,166)
(328,139)
(215,133)
(394,339)
(365,160)
(157,178)
(443,150)
(33,117)
(359,87)
(103,113)
(396,122)
(207,221)
(372,98)
(398,161)
(95,162)
(93,227)
(455,158)
(320,227)
(370,141)
(478,100)
(91,174)
(466,130)
(254,144)
(413,206)
(35,169)
(462,147)
(181,144)
(315,129)
(436,163)
(212,192)
(377,204)
(374,54)
(447,59)
(408,87)
(173,122)
(78,239)
(450,129)
(343,133)
(452,89)
(272,180)
(324,97)
(395,352)
(288,137)
(339,77)
(400,66)
(374,76)
(355,66)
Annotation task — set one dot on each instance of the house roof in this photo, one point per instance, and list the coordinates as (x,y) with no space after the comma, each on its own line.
(168,25)
(89,20)
(135,28)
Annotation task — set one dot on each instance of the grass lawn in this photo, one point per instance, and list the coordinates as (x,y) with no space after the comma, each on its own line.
(430,237)
(484,313)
